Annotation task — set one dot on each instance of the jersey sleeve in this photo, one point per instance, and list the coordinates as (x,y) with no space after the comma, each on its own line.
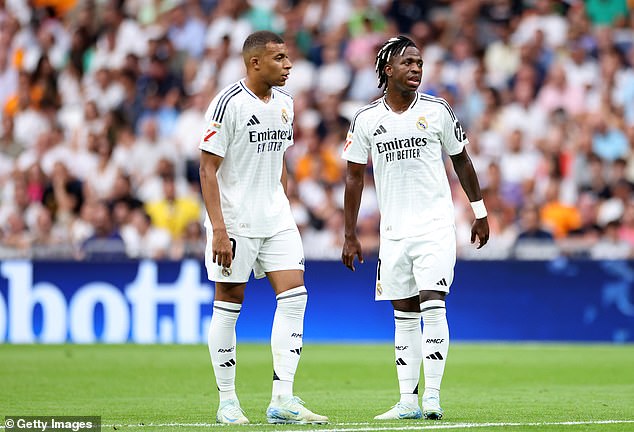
(288,118)
(453,136)
(218,132)
(357,146)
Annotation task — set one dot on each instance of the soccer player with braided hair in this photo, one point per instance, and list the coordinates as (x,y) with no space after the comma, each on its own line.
(406,132)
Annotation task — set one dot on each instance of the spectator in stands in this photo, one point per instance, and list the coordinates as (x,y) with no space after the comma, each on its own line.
(610,246)
(518,166)
(186,32)
(173,212)
(523,114)
(320,162)
(191,244)
(63,195)
(557,93)
(143,240)
(501,56)
(542,17)
(579,241)
(106,171)
(50,240)
(533,241)
(105,243)
(558,216)
(608,140)
(606,13)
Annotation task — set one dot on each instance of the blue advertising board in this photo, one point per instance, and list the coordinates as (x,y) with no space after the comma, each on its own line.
(170,302)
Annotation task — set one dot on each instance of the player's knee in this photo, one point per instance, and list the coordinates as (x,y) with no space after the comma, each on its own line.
(229,292)
(427,295)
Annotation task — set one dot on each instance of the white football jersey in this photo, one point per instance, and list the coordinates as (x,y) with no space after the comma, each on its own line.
(251,136)
(409,173)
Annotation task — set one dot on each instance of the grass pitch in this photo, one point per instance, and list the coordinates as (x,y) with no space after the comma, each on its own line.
(518,387)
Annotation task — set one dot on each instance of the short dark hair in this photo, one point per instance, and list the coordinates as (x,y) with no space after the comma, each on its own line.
(259,39)
(393,46)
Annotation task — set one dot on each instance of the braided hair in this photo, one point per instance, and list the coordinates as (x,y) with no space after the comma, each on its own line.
(393,46)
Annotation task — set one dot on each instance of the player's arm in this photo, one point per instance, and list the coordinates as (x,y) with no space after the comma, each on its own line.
(284,177)
(221,245)
(351,204)
(469,182)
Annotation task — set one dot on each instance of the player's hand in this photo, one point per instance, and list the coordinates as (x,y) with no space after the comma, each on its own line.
(351,249)
(222,252)
(480,230)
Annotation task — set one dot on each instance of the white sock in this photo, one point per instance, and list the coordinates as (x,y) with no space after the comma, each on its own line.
(286,339)
(221,341)
(408,353)
(435,343)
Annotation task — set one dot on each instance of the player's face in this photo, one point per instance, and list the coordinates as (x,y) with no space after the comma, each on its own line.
(406,71)
(275,64)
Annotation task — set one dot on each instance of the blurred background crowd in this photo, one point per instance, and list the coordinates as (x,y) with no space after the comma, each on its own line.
(102,107)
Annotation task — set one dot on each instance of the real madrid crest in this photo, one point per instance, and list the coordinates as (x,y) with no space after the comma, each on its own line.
(284,116)
(379,288)
(421,123)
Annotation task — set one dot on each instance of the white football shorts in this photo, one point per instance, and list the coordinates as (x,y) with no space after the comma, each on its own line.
(410,265)
(282,251)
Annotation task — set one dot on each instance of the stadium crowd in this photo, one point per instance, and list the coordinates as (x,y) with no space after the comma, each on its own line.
(103,101)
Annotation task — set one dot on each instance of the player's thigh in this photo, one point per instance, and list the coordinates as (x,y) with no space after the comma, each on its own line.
(394,279)
(282,251)
(434,258)
(245,252)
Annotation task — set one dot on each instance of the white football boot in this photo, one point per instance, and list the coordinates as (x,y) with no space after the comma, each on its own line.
(292,411)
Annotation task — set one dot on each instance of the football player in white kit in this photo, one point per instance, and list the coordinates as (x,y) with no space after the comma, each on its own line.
(406,132)
(250,226)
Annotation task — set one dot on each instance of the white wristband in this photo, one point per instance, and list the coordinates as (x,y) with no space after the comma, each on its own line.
(479,209)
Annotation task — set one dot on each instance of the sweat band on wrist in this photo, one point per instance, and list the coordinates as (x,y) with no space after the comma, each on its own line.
(479,209)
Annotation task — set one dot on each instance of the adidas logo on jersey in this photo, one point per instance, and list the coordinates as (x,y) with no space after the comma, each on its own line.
(253,121)
(380,130)
(442,282)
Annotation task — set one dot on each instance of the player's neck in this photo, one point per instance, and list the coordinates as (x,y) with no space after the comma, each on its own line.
(260,89)
(399,101)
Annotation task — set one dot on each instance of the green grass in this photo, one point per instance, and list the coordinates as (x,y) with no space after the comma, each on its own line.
(130,385)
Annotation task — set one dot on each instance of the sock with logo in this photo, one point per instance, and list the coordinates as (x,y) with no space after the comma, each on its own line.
(221,341)
(408,354)
(286,339)
(435,342)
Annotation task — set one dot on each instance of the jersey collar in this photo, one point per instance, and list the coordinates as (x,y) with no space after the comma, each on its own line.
(250,93)
(387,107)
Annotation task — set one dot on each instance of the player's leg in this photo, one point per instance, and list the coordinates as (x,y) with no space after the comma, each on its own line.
(395,282)
(288,328)
(435,257)
(435,349)
(221,338)
(282,259)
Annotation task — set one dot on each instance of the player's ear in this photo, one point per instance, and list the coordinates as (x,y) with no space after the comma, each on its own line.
(388,70)
(254,62)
